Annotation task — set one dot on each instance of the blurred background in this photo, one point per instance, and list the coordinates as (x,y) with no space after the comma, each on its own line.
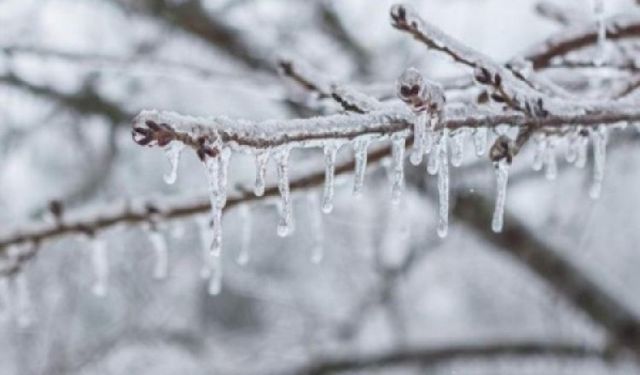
(74,73)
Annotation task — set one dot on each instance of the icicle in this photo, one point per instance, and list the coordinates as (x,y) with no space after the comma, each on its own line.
(397,173)
(173,151)
(551,166)
(457,148)
(262,158)
(24,306)
(100,265)
(432,163)
(502,178)
(217,177)
(360,146)
(215,278)
(480,141)
(443,184)
(583,145)
(598,10)
(571,151)
(286,214)
(599,136)
(539,153)
(317,230)
(211,263)
(161,267)
(245,240)
(419,138)
(330,151)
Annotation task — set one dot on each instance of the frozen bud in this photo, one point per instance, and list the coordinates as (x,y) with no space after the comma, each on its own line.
(419,93)
(503,148)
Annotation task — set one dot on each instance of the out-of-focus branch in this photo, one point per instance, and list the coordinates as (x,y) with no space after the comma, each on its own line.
(621,324)
(85,102)
(192,17)
(434,356)
(335,28)
(552,11)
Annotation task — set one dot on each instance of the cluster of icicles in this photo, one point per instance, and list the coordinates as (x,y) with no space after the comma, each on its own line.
(444,148)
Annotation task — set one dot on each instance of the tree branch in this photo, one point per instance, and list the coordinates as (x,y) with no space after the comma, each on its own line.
(435,356)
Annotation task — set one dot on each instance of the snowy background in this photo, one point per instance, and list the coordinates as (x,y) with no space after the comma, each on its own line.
(58,58)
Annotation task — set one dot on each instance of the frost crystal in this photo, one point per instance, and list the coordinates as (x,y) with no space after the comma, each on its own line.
(443,184)
(245,241)
(599,137)
(397,173)
(502,178)
(262,158)
(286,214)
(100,265)
(330,150)
(161,267)
(173,151)
(360,146)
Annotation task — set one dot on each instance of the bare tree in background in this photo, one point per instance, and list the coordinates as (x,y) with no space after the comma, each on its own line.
(431,271)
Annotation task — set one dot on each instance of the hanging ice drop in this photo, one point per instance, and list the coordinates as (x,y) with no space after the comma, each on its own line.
(419,138)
